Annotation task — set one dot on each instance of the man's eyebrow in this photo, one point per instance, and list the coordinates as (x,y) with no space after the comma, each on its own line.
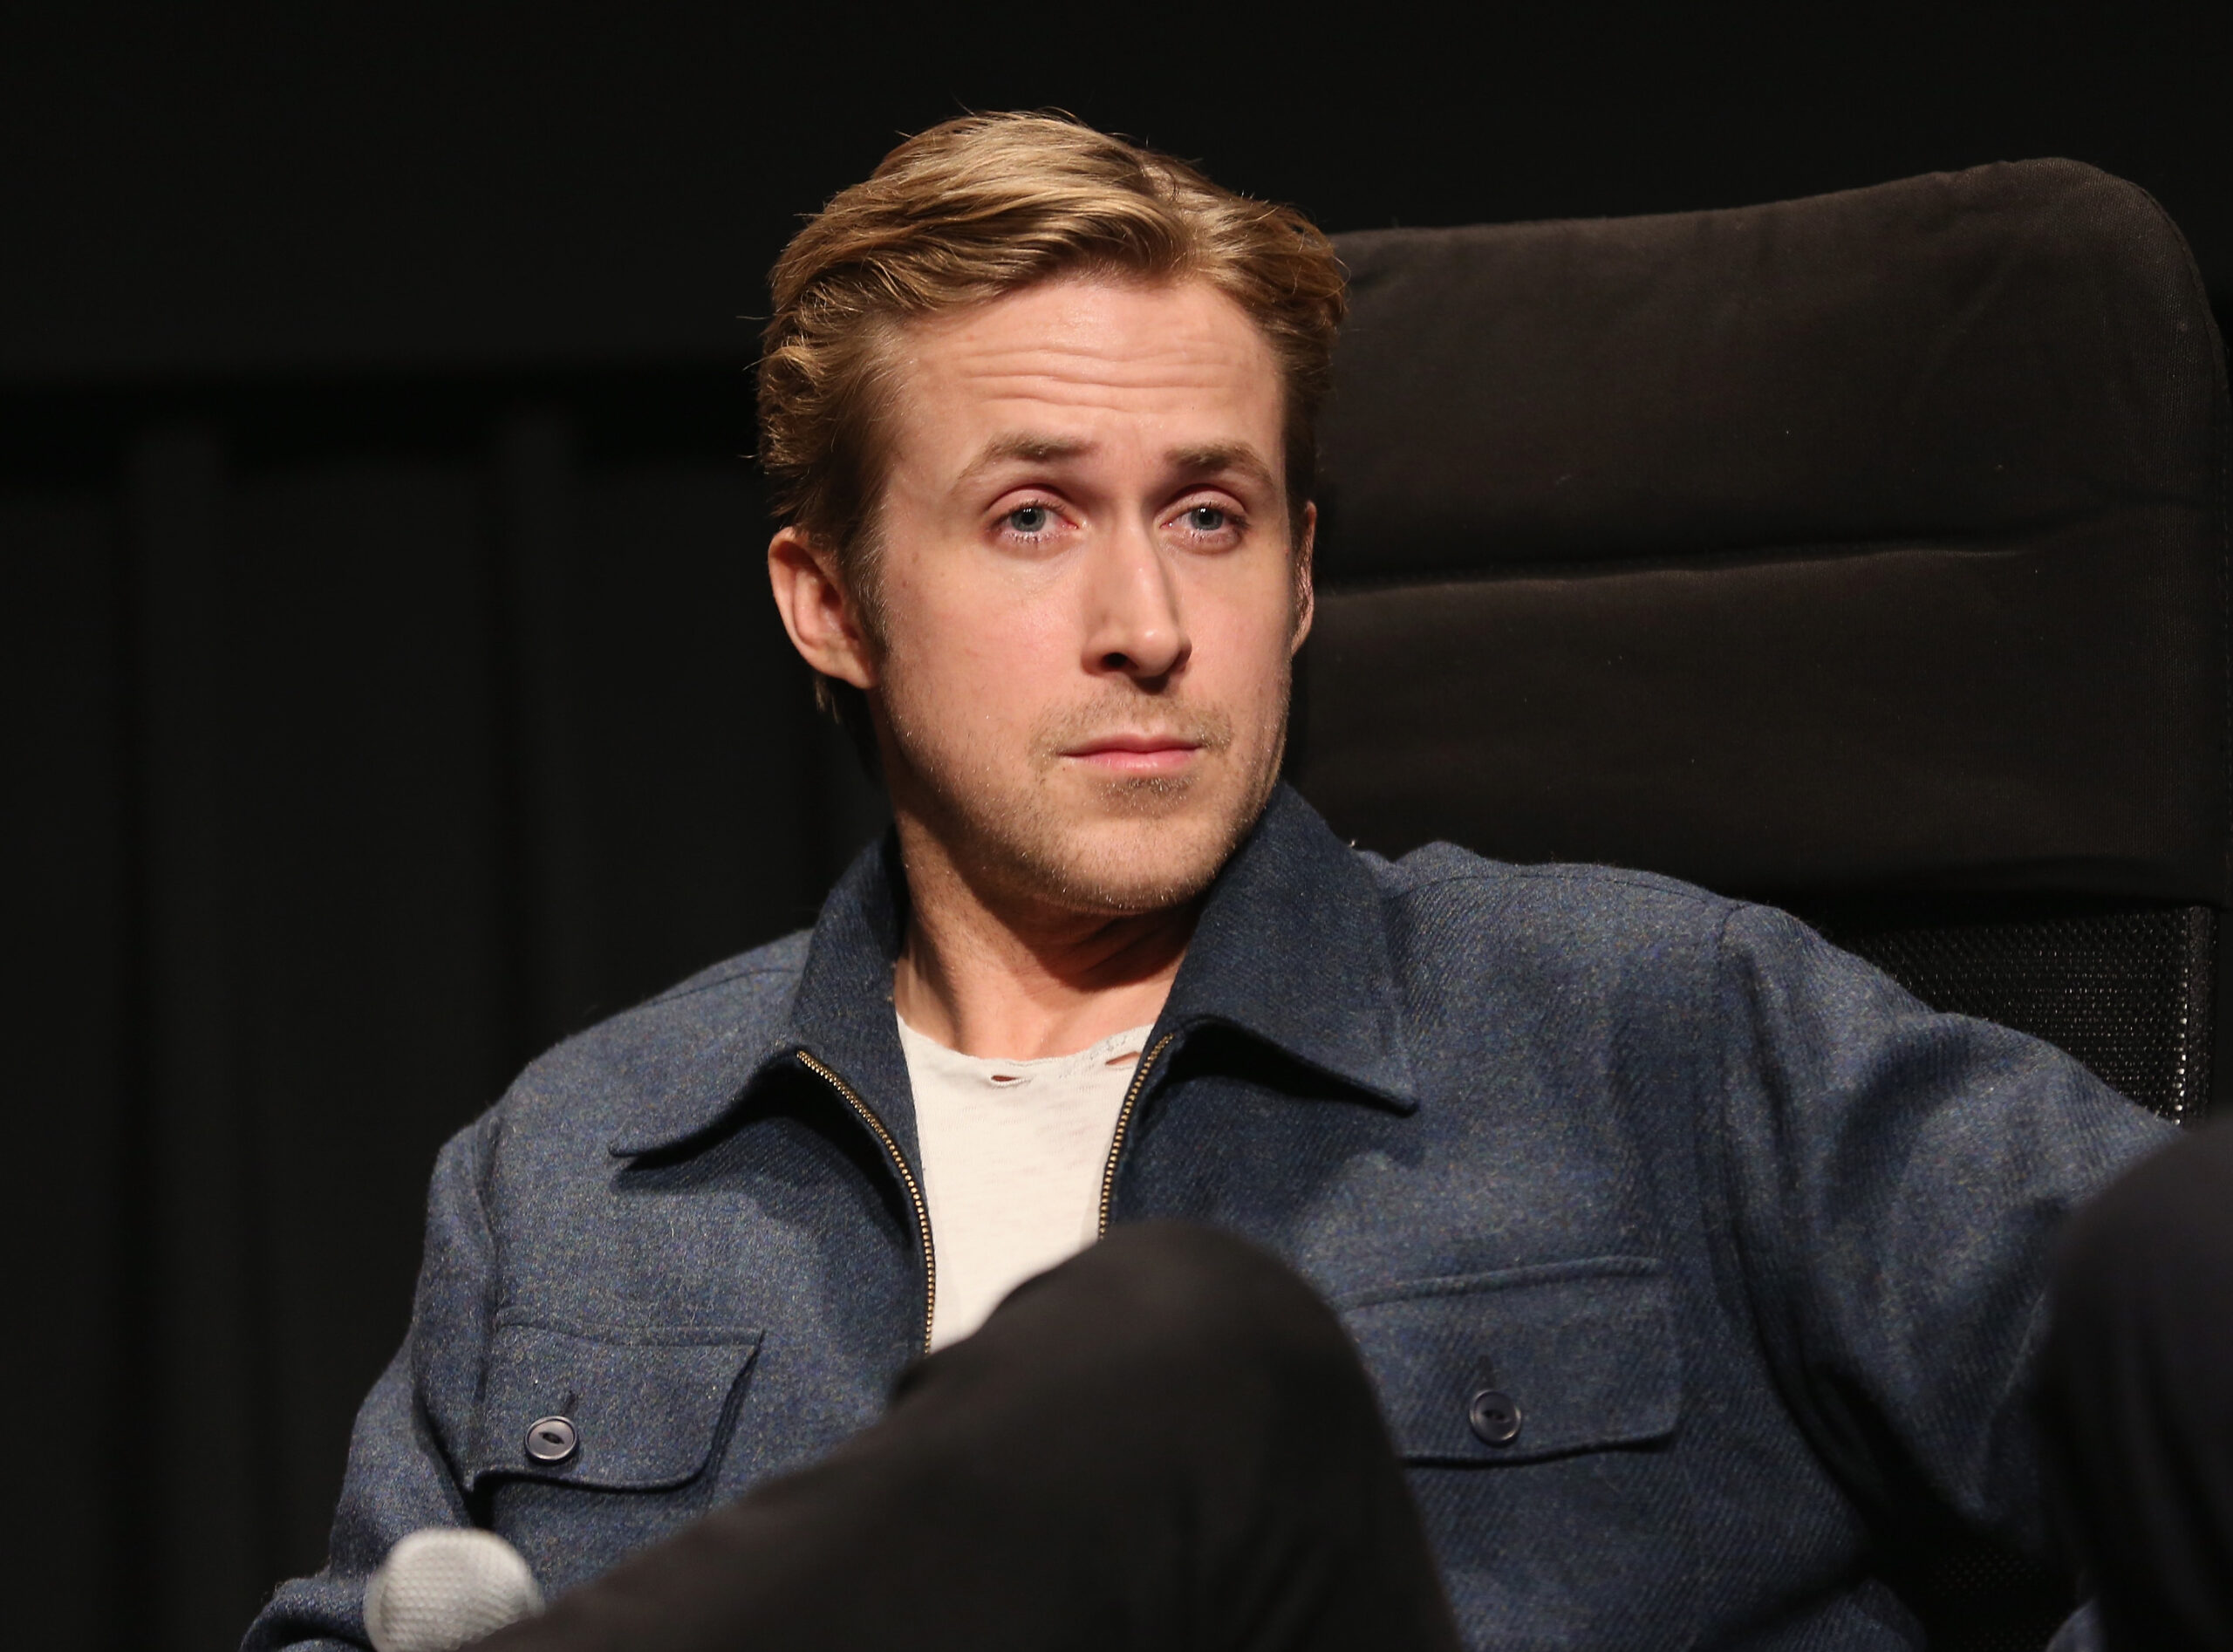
(1027,447)
(1222,458)
(1209,460)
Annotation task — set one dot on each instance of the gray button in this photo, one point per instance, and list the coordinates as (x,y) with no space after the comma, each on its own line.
(1494,1417)
(552,1439)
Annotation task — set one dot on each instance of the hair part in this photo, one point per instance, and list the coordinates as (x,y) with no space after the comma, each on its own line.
(975,208)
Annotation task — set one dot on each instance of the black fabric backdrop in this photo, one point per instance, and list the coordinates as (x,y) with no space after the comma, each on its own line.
(375,739)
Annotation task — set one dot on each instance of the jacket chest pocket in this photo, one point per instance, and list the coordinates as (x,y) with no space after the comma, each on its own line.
(1534,1409)
(1523,1365)
(614,1408)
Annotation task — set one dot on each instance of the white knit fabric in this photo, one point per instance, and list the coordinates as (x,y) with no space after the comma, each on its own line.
(445,1586)
(1013,1153)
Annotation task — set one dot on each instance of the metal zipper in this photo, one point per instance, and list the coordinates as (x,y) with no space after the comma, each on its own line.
(914,1189)
(1123,1125)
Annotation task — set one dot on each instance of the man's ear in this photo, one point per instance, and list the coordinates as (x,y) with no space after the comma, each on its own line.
(1306,596)
(824,624)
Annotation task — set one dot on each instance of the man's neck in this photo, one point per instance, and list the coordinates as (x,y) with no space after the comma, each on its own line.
(1010,978)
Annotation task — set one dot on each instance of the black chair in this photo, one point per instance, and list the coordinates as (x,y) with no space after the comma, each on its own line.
(1865,553)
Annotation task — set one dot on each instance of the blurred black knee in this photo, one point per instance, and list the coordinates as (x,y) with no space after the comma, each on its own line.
(1162,1329)
(2136,1396)
(2158,1243)
(1180,1304)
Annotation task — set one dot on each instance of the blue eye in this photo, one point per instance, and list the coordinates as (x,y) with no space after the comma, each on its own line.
(1206,519)
(1028,519)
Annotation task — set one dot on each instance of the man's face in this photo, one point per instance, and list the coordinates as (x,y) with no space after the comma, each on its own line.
(1089,593)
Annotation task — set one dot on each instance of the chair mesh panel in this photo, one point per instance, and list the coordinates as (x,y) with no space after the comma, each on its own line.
(2128,991)
(1974,1599)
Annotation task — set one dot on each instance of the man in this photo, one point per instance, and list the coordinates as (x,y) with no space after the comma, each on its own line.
(1692,1262)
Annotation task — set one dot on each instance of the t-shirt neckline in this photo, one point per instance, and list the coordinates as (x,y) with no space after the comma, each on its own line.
(1002,1073)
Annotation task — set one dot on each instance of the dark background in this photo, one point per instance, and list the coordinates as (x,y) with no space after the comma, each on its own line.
(390,685)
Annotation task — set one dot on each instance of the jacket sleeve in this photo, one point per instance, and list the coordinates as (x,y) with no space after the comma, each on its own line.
(406,1449)
(1898,1178)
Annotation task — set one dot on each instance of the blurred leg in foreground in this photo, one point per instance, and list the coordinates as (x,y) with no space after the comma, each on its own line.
(1167,1442)
(2138,1397)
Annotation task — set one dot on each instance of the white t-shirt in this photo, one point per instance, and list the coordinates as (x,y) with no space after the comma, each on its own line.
(1013,1153)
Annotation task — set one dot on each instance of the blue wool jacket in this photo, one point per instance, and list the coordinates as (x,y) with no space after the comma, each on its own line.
(1755,1240)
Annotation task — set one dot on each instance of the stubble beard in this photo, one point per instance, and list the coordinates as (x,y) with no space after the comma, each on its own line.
(1118,844)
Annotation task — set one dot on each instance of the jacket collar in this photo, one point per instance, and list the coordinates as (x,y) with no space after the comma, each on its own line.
(1291,949)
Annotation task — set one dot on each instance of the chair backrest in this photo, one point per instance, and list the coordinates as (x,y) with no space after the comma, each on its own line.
(1867,554)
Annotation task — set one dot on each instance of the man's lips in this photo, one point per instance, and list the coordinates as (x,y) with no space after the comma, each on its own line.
(1135,753)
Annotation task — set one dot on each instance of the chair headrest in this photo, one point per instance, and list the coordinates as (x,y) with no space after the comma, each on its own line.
(1869,542)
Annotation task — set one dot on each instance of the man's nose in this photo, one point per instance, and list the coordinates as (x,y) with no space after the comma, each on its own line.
(1134,624)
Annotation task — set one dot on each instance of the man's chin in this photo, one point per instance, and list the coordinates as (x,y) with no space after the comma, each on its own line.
(1146,861)
(1143,797)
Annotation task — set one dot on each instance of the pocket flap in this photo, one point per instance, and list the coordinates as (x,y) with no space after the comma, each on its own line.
(1527,1363)
(642,1405)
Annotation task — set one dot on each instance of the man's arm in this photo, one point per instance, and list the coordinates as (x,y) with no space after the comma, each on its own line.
(1898,1179)
(403,1450)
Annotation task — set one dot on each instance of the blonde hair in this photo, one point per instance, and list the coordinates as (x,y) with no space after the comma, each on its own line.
(983,206)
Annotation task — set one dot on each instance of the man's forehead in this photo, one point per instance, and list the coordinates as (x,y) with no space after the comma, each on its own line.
(1048,373)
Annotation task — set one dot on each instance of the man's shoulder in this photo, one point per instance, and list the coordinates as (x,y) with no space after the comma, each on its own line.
(1489,931)
(703,1030)
(1467,930)
(743,995)
(1443,884)
(721,987)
